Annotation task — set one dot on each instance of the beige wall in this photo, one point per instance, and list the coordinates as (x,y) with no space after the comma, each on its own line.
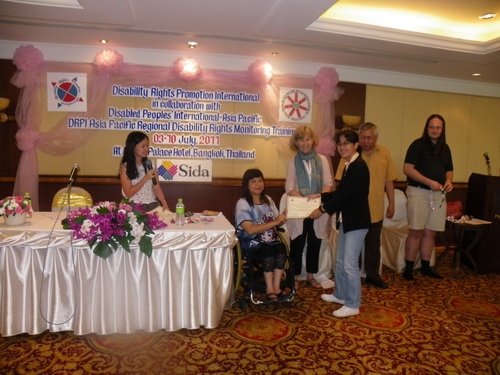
(472,125)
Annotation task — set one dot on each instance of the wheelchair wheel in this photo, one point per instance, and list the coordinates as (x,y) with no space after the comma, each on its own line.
(238,266)
(249,277)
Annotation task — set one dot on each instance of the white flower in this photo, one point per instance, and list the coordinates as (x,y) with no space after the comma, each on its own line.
(137,231)
(86,225)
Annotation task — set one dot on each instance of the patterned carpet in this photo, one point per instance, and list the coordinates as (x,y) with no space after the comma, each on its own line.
(425,327)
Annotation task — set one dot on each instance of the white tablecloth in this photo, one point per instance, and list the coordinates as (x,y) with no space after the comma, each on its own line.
(49,282)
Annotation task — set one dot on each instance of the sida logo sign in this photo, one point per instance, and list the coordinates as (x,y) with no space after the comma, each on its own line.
(185,170)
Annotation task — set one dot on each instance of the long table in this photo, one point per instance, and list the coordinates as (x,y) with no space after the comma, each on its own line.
(50,282)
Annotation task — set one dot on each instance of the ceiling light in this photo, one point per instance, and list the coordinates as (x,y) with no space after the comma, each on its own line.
(103,41)
(487,16)
(192,44)
(274,53)
(476,74)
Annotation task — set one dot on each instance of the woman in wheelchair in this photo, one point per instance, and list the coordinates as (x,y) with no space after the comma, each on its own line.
(257,219)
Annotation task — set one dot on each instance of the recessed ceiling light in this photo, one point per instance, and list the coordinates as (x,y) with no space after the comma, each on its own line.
(487,16)
(103,41)
(274,53)
(192,44)
(476,74)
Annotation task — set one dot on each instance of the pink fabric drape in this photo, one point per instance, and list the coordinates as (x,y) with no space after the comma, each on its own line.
(109,68)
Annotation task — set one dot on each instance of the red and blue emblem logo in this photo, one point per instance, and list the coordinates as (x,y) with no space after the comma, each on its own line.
(67,92)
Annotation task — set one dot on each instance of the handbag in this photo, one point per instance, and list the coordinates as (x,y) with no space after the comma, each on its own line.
(454,209)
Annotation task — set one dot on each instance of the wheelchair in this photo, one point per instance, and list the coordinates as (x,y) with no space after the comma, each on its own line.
(249,278)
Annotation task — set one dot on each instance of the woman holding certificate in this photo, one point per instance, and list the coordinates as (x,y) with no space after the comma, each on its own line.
(350,203)
(308,173)
(257,220)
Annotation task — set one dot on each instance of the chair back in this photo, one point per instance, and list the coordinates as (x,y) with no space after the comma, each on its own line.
(78,198)
(400,217)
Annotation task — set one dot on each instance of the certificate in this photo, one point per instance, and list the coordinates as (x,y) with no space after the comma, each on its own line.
(300,207)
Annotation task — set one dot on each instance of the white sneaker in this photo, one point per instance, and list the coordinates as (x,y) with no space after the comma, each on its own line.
(331,298)
(345,311)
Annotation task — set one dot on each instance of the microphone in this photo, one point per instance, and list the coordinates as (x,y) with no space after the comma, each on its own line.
(487,158)
(72,178)
(148,164)
(74,174)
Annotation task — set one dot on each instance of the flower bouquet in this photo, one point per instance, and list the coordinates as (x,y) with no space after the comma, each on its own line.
(12,206)
(106,226)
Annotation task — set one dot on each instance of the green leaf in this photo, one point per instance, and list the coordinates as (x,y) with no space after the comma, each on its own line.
(124,242)
(113,244)
(102,250)
(146,245)
(79,220)
(92,242)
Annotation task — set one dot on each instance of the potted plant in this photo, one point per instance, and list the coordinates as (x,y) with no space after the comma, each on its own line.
(15,209)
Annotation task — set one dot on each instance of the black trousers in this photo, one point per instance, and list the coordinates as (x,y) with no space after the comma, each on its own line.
(372,251)
(313,247)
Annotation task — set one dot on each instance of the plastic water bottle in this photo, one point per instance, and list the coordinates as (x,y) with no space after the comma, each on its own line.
(179,212)
(27,199)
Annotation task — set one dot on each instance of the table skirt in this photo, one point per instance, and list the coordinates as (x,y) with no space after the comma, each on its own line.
(47,282)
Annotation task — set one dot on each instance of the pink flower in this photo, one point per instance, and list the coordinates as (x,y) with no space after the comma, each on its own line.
(27,58)
(108,61)
(327,78)
(27,139)
(13,205)
(186,69)
(260,72)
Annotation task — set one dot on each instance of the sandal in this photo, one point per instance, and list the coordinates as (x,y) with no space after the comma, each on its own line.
(314,284)
(284,296)
(272,297)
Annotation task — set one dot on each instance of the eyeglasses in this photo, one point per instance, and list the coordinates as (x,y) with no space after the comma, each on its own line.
(343,144)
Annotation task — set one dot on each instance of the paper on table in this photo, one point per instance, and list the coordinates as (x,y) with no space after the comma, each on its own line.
(300,207)
(477,222)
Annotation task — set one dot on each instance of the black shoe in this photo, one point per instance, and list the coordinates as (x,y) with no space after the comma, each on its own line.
(431,273)
(285,296)
(376,283)
(408,275)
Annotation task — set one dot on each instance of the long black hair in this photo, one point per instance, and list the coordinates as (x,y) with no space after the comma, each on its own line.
(247,176)
(128,153)
(439,145)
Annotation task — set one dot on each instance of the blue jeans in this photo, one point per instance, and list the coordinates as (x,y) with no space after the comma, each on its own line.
(347,273)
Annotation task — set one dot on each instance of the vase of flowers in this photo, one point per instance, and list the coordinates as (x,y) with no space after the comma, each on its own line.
(15,209)
(108,226)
